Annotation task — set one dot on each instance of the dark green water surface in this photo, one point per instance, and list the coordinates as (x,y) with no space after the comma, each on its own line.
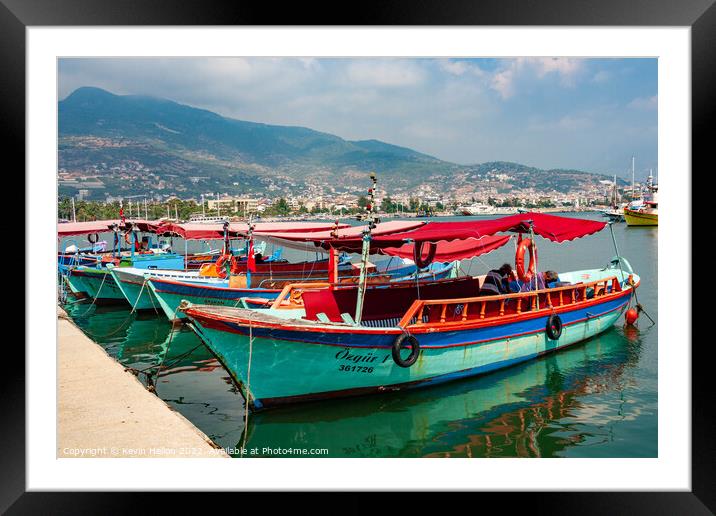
(596,399)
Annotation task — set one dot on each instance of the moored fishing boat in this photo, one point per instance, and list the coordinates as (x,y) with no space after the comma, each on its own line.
(647,216)
(647,212)
(231,272)
(170,293)
(449,334)
(643,211)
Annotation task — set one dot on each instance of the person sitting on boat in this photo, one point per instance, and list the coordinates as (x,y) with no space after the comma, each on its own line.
(542,280)
(497,281)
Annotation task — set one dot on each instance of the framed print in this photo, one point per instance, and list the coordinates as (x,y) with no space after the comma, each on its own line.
(285,243)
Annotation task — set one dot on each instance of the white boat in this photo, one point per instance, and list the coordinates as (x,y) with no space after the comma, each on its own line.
(200,219)
(477,209)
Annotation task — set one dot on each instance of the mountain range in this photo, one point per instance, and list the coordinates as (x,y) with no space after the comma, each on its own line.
(147,143)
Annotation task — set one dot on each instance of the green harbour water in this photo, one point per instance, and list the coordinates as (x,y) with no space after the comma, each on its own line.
(596,399)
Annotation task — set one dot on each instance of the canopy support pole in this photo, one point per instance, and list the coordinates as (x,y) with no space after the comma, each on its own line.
(134,241)
(365,251)
(616,250)
(332,266)
(363,275)
(534,253)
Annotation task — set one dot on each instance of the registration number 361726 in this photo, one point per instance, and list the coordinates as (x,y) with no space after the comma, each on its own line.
(355,368)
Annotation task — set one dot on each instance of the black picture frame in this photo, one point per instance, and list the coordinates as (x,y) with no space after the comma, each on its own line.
(700,15)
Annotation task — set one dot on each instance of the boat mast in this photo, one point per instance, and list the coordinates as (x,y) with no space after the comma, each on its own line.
(74,215)
(615,203)
(633,183)
(371,219)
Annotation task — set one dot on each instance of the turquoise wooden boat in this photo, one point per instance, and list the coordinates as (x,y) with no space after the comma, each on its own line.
(400,339)
(169,292)
(303,359)
(98,284)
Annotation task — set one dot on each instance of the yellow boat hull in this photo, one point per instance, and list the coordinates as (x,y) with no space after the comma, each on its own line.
(641,218)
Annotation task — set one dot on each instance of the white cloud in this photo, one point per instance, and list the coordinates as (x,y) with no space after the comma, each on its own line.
(567,68)
(601,76)
(453,67)
(391,73)
(645,103)
(504,80)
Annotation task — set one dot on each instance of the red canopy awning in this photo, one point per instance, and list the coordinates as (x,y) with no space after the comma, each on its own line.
(391,234)
(455,250)
(199,231)
(66,229)
(346,233)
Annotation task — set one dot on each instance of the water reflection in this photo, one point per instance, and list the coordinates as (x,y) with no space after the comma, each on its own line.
(534,410)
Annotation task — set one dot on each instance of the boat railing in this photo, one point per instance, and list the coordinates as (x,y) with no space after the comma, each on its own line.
(455,311)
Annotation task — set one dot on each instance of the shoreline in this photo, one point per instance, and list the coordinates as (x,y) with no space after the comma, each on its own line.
(105,411)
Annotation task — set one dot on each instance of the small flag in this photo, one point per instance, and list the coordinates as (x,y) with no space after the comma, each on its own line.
(250,259)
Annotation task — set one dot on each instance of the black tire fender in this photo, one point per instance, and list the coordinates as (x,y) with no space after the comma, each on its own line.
(93,238)
(406,341)
(554,327)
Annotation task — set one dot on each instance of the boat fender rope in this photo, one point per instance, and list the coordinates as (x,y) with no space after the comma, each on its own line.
(405,340)
(554,326)
(248,387)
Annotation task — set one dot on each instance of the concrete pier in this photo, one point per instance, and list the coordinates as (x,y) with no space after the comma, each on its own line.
(104,411)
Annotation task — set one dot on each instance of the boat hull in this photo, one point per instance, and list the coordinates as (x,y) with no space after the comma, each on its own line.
(640,218)
(135,290)
(292,365)
(99,285)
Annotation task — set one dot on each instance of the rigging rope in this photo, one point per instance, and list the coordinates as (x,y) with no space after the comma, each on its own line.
(96,295)
(248,386)
(131,313)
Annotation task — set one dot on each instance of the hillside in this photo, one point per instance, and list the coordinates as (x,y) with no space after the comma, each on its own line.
(143,144)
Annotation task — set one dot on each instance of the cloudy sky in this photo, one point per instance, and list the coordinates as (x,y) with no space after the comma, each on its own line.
(589,114)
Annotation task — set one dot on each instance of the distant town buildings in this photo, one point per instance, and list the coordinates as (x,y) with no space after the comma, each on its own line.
(241,205)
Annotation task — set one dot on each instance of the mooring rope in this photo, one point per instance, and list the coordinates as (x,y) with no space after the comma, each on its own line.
(634,295)
(248,387)
(96,296)
(131,313)
(151,297)
(152,384)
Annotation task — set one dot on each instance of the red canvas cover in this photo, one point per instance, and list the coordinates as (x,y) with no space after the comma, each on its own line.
(347,233)
(66,229)
(194,231)
(551,227)
(455,250)
(199,231)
